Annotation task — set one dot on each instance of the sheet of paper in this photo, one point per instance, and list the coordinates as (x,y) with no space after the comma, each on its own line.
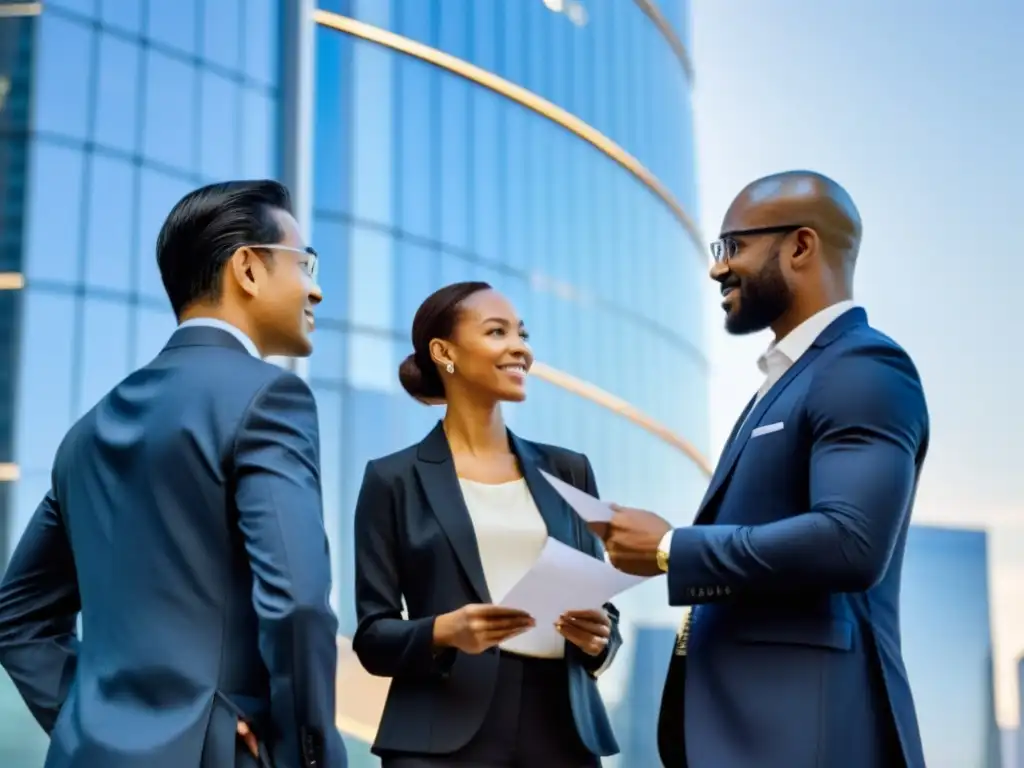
(565,579)
(591,509)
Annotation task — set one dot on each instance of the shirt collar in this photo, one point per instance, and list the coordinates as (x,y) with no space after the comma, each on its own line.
(212,322)
(799,340)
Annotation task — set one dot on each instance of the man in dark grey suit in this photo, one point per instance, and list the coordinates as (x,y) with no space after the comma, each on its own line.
(184,523)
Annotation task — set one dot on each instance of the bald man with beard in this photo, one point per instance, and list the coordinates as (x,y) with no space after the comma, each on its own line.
(790,656)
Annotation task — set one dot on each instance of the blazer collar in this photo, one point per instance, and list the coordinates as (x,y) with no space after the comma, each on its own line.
(436,469)
(204,336)
(751,416)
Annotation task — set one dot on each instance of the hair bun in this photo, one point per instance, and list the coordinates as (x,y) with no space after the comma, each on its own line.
(419,383)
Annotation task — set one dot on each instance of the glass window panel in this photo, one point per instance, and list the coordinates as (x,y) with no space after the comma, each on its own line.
(371,142)
(153,327)
(484,39)
(327,363)
(416,146)
(454,27)
(332,169)
(259,139)
(170,103)
(222,38)
(372,12)
(83,7)
(105,356)
(330,238)
(371,363)
(370,279)
(412,18)
(262,20)
(218,130)
(117,116)
(454,178)
(329,411)
(159,194)
(418,275)
(55,196)
(122,14)
(487,175)
(44,386)
(109,250)
(63,59)
(173,24)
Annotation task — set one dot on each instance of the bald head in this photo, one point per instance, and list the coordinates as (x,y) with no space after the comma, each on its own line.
(802,198)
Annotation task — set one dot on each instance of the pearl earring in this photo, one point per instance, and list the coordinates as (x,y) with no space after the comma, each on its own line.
(450,368)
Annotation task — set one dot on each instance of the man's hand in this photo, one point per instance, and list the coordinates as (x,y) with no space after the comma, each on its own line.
(631,540)
(475,628)
(587,630)
(249,739)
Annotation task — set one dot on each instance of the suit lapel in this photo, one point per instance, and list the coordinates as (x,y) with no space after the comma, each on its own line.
(436,471)
(557,516)
(749,421)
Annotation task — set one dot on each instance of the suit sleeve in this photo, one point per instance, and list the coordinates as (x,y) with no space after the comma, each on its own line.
(868,423)
(386,643)
(39,606)
(280,513)
(596,665)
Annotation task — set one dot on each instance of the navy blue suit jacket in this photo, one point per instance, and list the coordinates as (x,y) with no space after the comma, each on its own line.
(184,523)
(415,540)
(794,567)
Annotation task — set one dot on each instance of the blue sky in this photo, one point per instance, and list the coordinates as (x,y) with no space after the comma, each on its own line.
(918,109)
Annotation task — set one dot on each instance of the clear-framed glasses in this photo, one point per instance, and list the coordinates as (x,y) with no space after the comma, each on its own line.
(726,246)
(309,259)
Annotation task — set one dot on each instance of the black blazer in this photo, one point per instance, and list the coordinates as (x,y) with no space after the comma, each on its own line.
(415,539)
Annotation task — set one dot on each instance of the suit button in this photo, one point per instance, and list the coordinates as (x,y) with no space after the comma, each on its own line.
(728,591)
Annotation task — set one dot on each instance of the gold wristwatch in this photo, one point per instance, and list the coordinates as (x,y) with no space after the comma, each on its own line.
(662,560)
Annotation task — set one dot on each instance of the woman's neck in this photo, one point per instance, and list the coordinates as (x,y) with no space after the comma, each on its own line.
(476,429)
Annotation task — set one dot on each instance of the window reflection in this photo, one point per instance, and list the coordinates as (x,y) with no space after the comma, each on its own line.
(261,33)
(45,378)
(219,126)
(122,14)
(117,90)
(259,139)
(152,328)
(55,193)
(169,114)
(62,73)
(109,235)
(222,38)
(331,239)
(371,277)
(173,24)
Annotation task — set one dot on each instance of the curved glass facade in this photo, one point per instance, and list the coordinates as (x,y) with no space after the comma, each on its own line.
(420,177)
(424,177)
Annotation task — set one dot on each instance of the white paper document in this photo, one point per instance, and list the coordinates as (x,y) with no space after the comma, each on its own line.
(591,509)
(565,579)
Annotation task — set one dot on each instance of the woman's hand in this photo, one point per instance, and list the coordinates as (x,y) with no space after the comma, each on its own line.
(475,628)
(588,630)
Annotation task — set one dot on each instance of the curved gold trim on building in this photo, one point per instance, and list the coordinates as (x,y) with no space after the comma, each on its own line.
(11,281)
(657,18)
(617,405)
(521,96)
(19,10)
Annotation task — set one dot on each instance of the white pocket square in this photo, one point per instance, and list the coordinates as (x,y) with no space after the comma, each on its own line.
(767,429)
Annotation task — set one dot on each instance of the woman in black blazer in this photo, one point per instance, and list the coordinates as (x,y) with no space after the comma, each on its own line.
(447,526)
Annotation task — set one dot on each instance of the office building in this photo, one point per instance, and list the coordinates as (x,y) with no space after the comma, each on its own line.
(545,146)
(947,645)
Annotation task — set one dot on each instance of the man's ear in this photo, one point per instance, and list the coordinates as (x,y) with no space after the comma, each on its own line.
(807,243)
(246,270)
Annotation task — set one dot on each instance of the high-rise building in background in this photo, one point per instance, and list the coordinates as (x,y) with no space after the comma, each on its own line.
(947,646)
(545,146)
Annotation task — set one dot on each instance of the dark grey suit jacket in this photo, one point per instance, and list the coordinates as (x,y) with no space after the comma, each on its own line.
(415,540)
(184,523)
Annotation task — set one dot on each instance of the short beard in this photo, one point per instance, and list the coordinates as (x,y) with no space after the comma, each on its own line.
(763,299)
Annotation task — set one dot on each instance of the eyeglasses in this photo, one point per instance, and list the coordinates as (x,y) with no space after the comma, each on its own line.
(726,247)
(310,262)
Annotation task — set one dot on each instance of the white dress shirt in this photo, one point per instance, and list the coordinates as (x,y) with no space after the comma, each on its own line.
(212,322)
(779,358)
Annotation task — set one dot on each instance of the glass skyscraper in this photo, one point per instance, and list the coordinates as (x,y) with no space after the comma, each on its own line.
(545,146)
(947,645)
